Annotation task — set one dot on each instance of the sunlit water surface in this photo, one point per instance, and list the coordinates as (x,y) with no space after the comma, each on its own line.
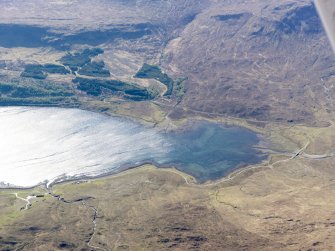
(41,145)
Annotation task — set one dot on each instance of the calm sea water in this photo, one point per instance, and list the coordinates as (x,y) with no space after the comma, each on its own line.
(41,145)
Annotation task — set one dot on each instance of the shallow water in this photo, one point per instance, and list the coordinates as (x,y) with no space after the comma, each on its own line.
(46,144)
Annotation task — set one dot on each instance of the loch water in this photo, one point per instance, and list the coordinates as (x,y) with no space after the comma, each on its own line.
(43,145)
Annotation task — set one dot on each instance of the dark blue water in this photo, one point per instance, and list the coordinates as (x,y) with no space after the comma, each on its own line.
(209,151)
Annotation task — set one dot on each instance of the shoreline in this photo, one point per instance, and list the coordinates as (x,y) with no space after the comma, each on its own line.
(84,178)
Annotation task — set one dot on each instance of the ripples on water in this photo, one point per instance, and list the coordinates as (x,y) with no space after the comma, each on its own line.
(44,144)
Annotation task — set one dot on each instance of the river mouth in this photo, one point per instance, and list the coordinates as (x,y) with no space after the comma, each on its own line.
(44,145)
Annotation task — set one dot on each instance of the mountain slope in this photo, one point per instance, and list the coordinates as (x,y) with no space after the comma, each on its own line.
(264,60)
